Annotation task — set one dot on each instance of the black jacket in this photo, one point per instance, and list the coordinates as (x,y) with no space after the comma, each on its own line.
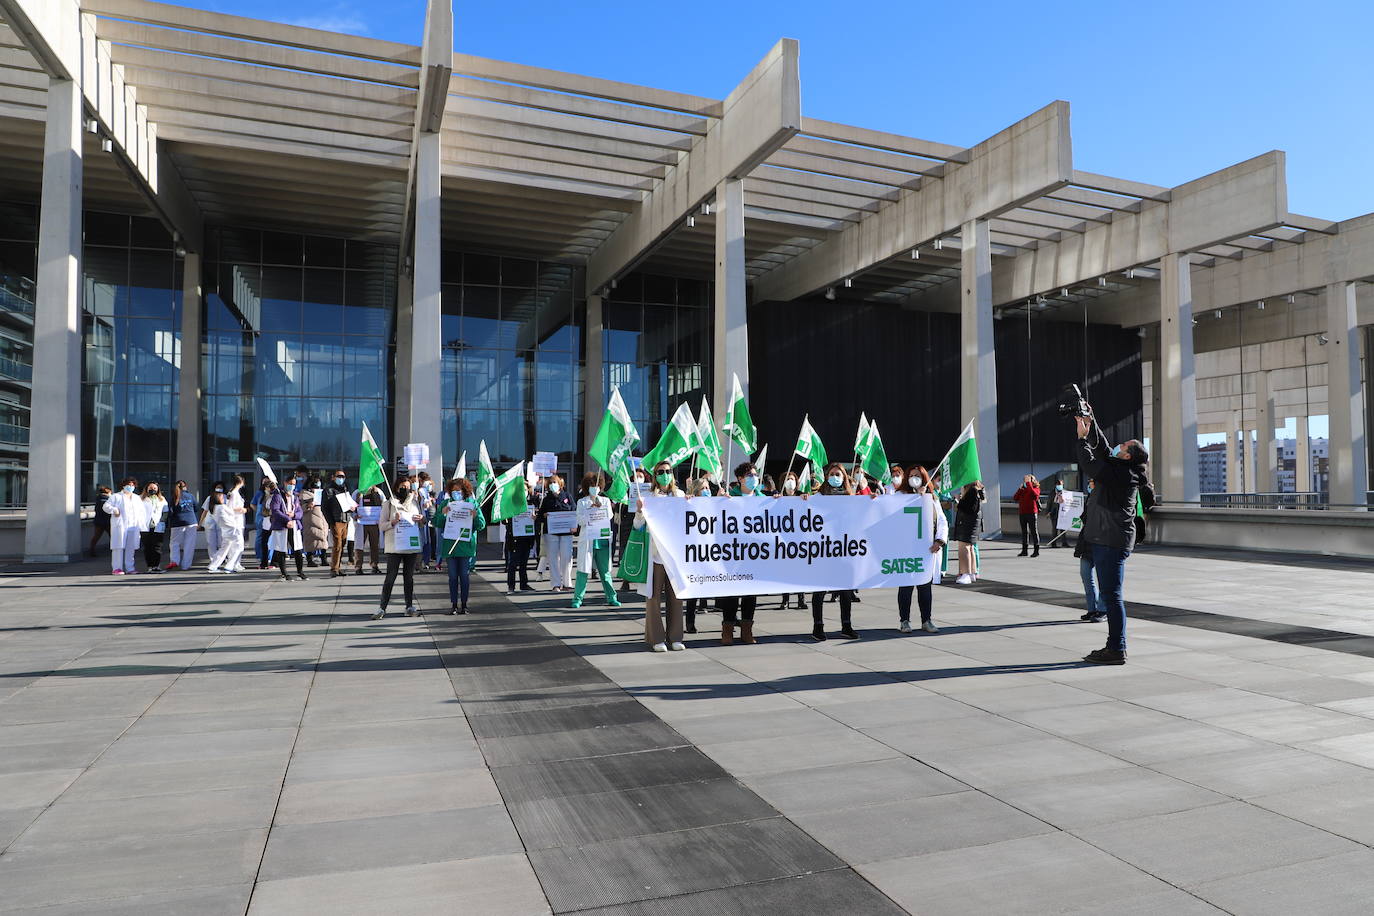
(1109,513)
(562,502)
(332,514)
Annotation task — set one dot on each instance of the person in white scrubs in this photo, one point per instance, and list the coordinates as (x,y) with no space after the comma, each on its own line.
(229,514)
(128,521)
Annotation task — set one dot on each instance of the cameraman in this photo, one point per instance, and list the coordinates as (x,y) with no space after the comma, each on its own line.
(1109,524)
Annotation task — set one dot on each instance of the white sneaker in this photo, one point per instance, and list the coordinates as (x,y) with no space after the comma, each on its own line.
(904,626)
(677,647)
(965,579)
(381,612)
(213,569)
(930,627)
(660,647)
(413,611)
(237,569)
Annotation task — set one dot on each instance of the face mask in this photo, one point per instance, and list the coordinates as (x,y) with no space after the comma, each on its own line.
(128,489)
(751,483)
(299,487)
(593,491)
(291,485)
(403,490)
(429,488)
(456,494)
(554,488)
(338,481)
(1058,487)
(789,485)
(897,481)
(1116,451)
(219,489)
(664,479)
(834,480)
(152,492)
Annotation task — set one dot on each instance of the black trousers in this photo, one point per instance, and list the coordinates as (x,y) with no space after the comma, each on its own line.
(279,561)
(517,561)
(1030,530)
(151,542)
(734,608)
(818,601)
(922,599)
(405,563)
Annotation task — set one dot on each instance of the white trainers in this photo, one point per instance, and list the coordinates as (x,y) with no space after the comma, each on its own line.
(213,569)
(660,647)
(904,626)
(930,627)
(380,613)
(676,647)
(965,579)
(413,611)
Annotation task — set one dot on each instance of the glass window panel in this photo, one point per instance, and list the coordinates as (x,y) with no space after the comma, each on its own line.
(451,267)
(554,383)
(448,377)
(629,289)
(518,308)
(281,299)
(147,351)
(323,295)
(365,362)
(149,233)
(19,221)
(242,246)
(660,290)
(554,319)
(515,439)
(554,433)
(370,297)
(323,367)
(278,365)
(659,335)
(97,422)
(278,428)
(476,426)
(230,362)
(481,268)
(283,248)
(152,283)
(696,293)
(356,413)
(229,428)
(105,228)
(448,420)
(98,340)
(693,335)
(323,432)
(481,317)
(147,420)
(450,314)
(324,252)
(107,275)
(518,272)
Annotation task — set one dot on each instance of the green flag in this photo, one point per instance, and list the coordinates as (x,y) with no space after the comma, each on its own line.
(738,423)
(678,442)
(711,458)
(875,463)
(861,439)
(611,447)
(486,475)
(804,479)
(511,498)
(960,466)
(762,460)
(809,445)
(371,466)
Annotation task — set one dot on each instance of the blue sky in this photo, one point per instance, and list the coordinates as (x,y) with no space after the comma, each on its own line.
(1161,92)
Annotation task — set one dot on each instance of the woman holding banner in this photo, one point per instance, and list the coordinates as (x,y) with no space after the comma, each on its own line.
(558,544)
(917,482)
(399,526)
(593,539)
(658,581)
(457,522)
(789,488)
(836,483)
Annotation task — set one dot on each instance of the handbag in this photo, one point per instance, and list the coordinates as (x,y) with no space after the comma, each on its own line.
(634,557)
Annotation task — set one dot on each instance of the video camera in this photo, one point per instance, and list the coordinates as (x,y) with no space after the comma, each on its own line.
(1072,403)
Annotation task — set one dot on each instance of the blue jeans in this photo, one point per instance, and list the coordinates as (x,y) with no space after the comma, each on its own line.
(1110,565)
(264,555)
(1085,570)
(459,569)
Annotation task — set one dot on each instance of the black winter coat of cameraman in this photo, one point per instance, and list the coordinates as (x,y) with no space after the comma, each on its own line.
(1109,514)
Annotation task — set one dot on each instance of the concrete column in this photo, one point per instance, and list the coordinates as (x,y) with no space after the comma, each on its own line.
(978,365)
(730,330)
(1235,473)
(426,344)
(1348,456)
(1154,404)
(190,433)
(1247,440)
(1302,458)
(405,312)
(1267,459)
(594,394)
(52,531)
(1175,454)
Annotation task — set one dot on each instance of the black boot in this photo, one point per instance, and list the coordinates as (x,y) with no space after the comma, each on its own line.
(1037,552)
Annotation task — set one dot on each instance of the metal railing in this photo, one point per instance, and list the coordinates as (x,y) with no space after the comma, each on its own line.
(14,369)
(1277,501)
(13,434)
(11,301)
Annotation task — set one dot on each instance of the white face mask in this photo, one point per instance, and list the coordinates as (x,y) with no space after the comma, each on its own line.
(789,485)
(896,480)
(593,492)
(554,488)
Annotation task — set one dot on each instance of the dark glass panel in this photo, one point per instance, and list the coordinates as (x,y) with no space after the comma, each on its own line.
(18,222)
(518,272)
(518,309)
(105,228)
(481,325)
(660,290)
(149,233)
(153,285)
(370,297)
(324,252)
(659,337)
(280,293)
(322,365)
(323,296)
(107,277)
(481,269)
(450,314)
(147,421)
(286,248)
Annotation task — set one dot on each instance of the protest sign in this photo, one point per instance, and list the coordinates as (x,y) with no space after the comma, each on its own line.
(1070,516)
(458,521)
(717,547)
(545,464)
(561,522)
(522,526)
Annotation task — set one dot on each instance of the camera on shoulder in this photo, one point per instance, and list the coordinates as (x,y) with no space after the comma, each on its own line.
(1072,403)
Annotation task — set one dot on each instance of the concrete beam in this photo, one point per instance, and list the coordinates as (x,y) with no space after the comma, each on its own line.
(978,362)
(1248,197)
(1345,396)
(1017,165)
(436,61)
(760,115)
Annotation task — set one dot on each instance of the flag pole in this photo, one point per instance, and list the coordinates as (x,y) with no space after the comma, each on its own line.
(793,459)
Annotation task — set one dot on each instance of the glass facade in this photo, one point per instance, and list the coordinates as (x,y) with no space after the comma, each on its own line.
(297,354)
(513,354)
(18,270)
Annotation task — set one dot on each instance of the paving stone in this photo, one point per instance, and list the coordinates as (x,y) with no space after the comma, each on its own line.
(1003,764)
(231,900)
(528,782)
(668,864)
(379,796)
(105,780)
(34,788)
(383,762)
(1243,774)
(1345,808)
(1104,797)
(851,785)
(491,886)
(820,894)
(586,742)
(1190,848)
(1339,885)
(920,825)
(564,718)
(178,749)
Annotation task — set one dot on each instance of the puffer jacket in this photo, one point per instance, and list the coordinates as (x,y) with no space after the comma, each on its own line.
(1109,513)
(314,527)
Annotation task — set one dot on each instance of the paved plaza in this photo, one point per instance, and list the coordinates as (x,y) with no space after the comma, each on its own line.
(202,744)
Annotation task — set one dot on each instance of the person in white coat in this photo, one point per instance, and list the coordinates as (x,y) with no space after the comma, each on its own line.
(917,481)
(229,513)
(207,520)
(401,544)
(593,534)
(658,581)
(128,522)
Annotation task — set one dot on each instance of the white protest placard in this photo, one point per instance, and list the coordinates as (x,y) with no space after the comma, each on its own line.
(1070,516)
(715,547)
(407,536)
(416,455)
(346,502)
(522,526)
(369,515)
(545,464)
(458,521)
(598,523)
(561,522)
(634,493)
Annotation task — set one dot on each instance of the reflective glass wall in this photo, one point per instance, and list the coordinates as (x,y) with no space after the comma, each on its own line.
(512,358)
(18,273)
(297,349)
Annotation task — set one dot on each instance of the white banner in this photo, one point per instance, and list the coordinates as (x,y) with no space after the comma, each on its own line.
(545,463)
(715,547)
(561,522)
(1070,512)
